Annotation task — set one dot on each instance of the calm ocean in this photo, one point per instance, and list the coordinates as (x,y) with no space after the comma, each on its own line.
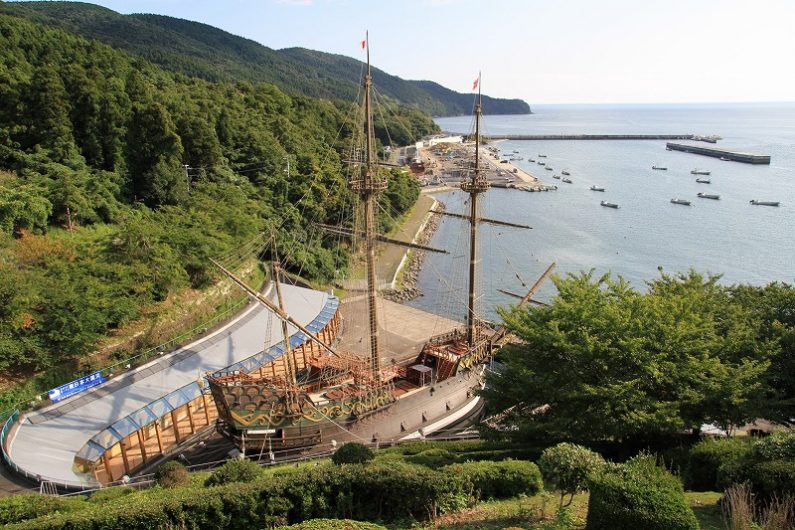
(744,243)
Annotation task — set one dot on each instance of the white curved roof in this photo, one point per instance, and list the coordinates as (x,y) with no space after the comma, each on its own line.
(47,441)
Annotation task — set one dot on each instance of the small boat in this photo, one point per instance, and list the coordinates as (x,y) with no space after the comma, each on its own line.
(709,196)
(542,156)
(542,163)
(565,172)
(556,177)
(515,151)
(660,168)
(704,181)
(765,203)
(531,159)
(680,201)
(548,168)
(699,172)
(567,181)
(597,188)
(609,204)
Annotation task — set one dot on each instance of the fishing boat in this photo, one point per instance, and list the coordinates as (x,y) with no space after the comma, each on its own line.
(324,396)
(542,156)
(548,168)
(700,172)
(531,160)
(566,173)
(556,177)
(566,180)
(704,181)
(597,188)
(609,204)
(709,196)
(683,202)
(765,203)
(659,168)
(540,163)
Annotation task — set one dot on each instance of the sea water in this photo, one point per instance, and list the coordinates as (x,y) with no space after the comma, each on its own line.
(730,237)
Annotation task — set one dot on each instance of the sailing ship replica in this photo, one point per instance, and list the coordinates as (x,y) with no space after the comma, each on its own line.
(323,396)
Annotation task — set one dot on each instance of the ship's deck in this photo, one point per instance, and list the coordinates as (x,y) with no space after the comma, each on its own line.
(46,442)
(406,333)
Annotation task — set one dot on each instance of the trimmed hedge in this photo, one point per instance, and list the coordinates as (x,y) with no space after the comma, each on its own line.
(333,524)
(635,495)
(18,508)
(708,456)
(498,480)
(234,471)
(379,491)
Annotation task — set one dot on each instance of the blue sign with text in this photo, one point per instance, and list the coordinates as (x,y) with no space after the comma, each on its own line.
(78,385)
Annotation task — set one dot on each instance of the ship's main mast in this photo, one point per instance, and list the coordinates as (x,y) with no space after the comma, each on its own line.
(474,186)
(368,188)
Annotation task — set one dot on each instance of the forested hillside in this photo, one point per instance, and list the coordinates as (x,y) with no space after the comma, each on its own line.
(204,51)
(99,217)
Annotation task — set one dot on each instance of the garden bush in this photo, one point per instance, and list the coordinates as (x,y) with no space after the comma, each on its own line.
(708,456)
(334,524)
(638,494)
(171,475)
(779,445)
(433,458)
(565,468)
(109,494)
(235,470)
(352,453)
(498,480)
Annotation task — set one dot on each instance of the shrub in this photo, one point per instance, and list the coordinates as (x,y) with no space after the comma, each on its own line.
(352,453)
(433,458)
(779,445)
(172,474)
(498,480)
(638,494)
(334,524)
(565,468)
(234,471)
(706,458)
(773,479)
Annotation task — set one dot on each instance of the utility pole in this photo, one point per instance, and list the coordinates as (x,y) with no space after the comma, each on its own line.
(187,175)
(287,185)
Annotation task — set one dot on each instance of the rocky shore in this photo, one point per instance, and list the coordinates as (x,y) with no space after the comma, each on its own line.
(409,276)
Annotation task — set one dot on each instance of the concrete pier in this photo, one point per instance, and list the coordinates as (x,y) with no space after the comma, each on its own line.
(737,156)
(600,137)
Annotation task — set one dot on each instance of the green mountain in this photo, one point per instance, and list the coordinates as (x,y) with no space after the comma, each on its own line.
(210,53)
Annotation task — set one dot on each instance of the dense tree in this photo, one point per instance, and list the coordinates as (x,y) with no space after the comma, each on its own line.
(605,362)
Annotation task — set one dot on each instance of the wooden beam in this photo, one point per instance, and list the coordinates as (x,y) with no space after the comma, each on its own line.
(125,462)
(159,437)
(483,220)
(175,426)
(531,301)
(382,239)
(206,408)
(106,462)
(190,417)
(142,444)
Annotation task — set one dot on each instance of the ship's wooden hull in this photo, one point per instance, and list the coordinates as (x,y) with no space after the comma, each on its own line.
(423,407)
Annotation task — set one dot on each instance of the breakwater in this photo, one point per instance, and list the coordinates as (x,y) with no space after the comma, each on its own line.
(724,154)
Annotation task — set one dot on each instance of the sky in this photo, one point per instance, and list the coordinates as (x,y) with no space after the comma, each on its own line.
(542,51)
